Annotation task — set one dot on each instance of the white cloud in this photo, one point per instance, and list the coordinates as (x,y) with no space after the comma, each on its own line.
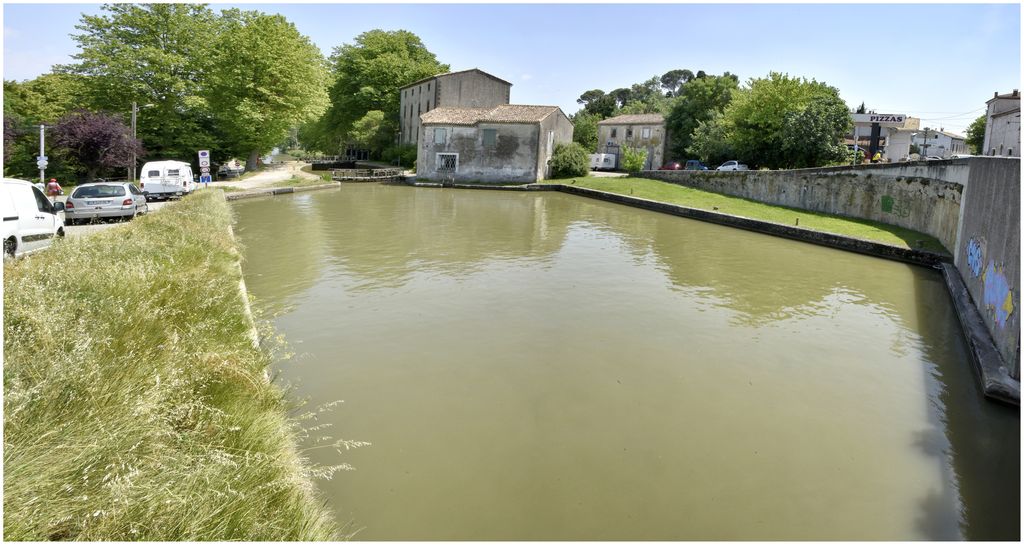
(527,77)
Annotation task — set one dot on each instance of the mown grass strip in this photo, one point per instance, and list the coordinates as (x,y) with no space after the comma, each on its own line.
(724,204)
(135,406)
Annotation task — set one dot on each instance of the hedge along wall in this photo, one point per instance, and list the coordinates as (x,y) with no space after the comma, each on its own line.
(988,251)
(883,194)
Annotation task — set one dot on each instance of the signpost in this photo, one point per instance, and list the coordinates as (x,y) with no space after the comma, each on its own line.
(205,179)
(204,158)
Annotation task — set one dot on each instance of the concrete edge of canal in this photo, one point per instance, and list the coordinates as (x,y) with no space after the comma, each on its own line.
(994,378)
(269,191)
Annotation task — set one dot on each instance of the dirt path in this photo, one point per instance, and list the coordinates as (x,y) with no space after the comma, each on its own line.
(269,177)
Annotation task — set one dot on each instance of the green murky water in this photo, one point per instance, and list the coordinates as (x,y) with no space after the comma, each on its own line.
(542,366)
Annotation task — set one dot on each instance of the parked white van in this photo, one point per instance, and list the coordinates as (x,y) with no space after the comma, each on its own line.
(30,219)
(166,179)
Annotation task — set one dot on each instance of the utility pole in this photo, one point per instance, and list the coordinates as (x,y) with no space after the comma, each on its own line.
(925,147)
(131,168)
(41,160)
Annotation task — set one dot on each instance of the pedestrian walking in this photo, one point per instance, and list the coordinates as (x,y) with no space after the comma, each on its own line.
(53,189)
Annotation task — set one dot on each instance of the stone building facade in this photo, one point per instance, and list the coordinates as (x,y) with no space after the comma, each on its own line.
(1002,125)
(643,130)
(509,143)
(466,89)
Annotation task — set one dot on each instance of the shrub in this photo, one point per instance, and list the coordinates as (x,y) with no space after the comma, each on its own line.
(633,159)
(569,160)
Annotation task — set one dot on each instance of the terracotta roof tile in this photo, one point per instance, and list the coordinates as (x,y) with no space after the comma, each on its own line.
(636,119)
(505,113)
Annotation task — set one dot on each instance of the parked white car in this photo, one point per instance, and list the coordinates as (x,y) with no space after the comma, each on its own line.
(732,165)
(166,179)
(30,219)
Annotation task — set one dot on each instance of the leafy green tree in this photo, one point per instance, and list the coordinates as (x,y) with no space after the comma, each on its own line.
(368,74)
(672,81)
(44,99)
(755,119)
(813,137)
(710,141)
(266,77)
(633,158)
(976,135)
(698,100)
(569,160)
(596,102)
(156,54)
(373,131)
(585,129)
(622,96)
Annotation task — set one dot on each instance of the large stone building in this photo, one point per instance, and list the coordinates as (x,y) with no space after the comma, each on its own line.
(466,89)
(642,130)
(1002,125)
(506,143)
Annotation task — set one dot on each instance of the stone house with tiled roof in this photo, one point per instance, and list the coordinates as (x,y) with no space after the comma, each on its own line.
(508,143)
(637,130)
(472,88)
(1002,125)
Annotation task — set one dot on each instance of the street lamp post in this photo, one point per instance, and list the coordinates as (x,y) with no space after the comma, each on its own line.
(131,168)
(134,165)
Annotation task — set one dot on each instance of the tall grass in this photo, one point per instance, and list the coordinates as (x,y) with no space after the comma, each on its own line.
(657,190)
(135,405)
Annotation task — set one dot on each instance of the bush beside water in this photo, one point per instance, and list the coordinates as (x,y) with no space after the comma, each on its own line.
(135,406)
(569,160)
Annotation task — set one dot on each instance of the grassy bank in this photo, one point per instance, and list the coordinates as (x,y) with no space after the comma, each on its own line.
(695,198)
(135,406)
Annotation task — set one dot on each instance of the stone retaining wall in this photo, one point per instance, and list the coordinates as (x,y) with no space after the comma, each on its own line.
(897,195)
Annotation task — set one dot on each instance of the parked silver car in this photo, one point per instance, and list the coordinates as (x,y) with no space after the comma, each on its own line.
(104,200)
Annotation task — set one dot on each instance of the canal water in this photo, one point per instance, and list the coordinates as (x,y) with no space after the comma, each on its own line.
(539,366)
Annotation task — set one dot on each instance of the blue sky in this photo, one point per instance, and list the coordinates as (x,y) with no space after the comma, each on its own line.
(940,62)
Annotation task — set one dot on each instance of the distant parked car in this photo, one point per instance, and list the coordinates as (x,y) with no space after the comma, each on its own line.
(694,164)
(105,200)
(934,158)
(30,219)
(732,165)
(671,166)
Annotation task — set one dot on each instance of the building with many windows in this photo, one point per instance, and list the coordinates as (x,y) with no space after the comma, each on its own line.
(645,131)
(1002,125)
(472,88)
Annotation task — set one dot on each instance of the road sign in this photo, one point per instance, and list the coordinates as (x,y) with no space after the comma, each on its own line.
(204,158)
(205,179)
(204,170)
(41,163)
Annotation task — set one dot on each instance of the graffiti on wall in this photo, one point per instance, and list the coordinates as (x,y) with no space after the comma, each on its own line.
(895,207)
(976,255)
(998,295)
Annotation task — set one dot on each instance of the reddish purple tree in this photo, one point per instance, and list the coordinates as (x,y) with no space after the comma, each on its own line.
(96,141)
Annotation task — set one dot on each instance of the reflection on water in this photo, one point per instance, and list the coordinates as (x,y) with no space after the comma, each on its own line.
(541,366)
